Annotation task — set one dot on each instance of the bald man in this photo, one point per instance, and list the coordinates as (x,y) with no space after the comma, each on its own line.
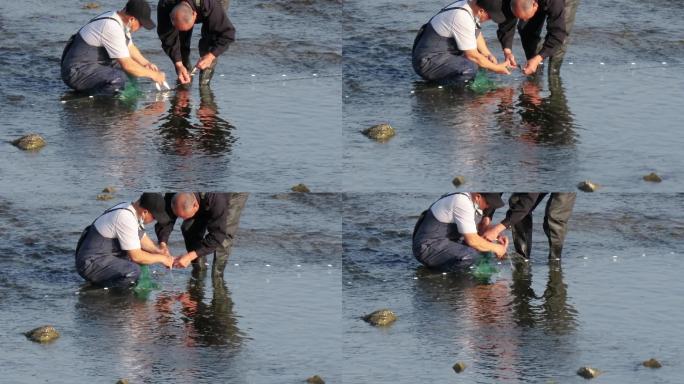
(210,222)
(176,19)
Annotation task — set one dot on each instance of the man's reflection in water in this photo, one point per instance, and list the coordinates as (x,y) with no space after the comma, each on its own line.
(554,313)
(210,323)
(210,135)
(542,119)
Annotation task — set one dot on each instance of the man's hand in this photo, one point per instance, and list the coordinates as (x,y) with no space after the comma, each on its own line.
(164,249)
(532,64)
(205,61)
(182,72)
(169,261)
(493,232)
(183,261)
(492,58)
(502,68)
(510,58)
(151,66)
(502,248)
(158,77)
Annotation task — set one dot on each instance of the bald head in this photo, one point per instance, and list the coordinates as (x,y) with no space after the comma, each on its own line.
(185,205)
(524,9)
(183,17)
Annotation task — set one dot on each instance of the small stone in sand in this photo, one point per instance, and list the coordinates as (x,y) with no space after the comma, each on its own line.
(315,379)
(104,196)
(91,5)
(587,186)
(458,181)
(30,142)
(380,317)
(652,363)
(109,190)
(588,372)
(301,188)
(459,367)
(380,132)
(44,334)
(653,177)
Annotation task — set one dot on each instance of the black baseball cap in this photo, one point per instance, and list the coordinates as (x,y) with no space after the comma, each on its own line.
(493,199)
(141,11)
(494,9)
(154,202)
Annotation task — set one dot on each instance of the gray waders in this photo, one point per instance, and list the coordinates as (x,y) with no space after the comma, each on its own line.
(102,261)
(438,59)
(439,245)
(558,210)
(194,231)
(85,68)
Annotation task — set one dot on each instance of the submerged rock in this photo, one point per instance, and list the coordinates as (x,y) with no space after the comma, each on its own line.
(109,190)
(104,196)
(91,5)
(30,142)
(380,317)
(315,379)
(653,177)
(458,181)
(14,99)
(380,132)
(44,334)
(652,363)
(372,242)
(587,186)
(459,367)
(301,188)
(588,372)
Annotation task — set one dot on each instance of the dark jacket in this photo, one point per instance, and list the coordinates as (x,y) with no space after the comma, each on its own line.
(213,210)
(519,206)
(217,30)
(556,32)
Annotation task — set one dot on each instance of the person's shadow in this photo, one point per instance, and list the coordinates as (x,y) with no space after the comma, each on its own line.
(182,134)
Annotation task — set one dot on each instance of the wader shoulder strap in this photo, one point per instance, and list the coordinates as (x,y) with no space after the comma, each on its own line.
(85,231)
(421,218)
(70,42)
(422,29)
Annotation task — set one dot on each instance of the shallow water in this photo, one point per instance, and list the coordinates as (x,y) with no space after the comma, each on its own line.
(613,302)
(261,325)
(532,133)
(271,121)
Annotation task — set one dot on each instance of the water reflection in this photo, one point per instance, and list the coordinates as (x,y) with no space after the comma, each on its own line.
(181,135)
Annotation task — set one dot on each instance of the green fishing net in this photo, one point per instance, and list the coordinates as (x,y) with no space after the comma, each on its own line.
(484,267)
(131,91)
(481,83)
(145,283)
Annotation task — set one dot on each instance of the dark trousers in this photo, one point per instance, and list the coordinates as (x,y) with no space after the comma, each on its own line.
(531,30)
(558,210)
(194,230)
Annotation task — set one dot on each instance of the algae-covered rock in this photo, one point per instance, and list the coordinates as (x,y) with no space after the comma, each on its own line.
(104,196)
(653,177)
(109,189)
(588,372)
(91,5)
(458,181)
(315,379)
(380,132)
(587,186)
(301,188)
(652,363)
(44,334)
(459,367)
(380,317)
(30,142)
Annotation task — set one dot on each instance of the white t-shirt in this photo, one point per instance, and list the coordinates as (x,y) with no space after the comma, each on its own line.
(121,224)
(107,33)
(458,24)
(459,209)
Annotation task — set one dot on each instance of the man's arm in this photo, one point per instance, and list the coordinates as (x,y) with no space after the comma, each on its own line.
(132,68)
(506,31)
(148,245)
(519,206)
(139,58)
(484,49)
(556,31)
(218,24)
(480,244)
(166,31)
(217,232)
(139,256)
(482,61)
(163,232)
